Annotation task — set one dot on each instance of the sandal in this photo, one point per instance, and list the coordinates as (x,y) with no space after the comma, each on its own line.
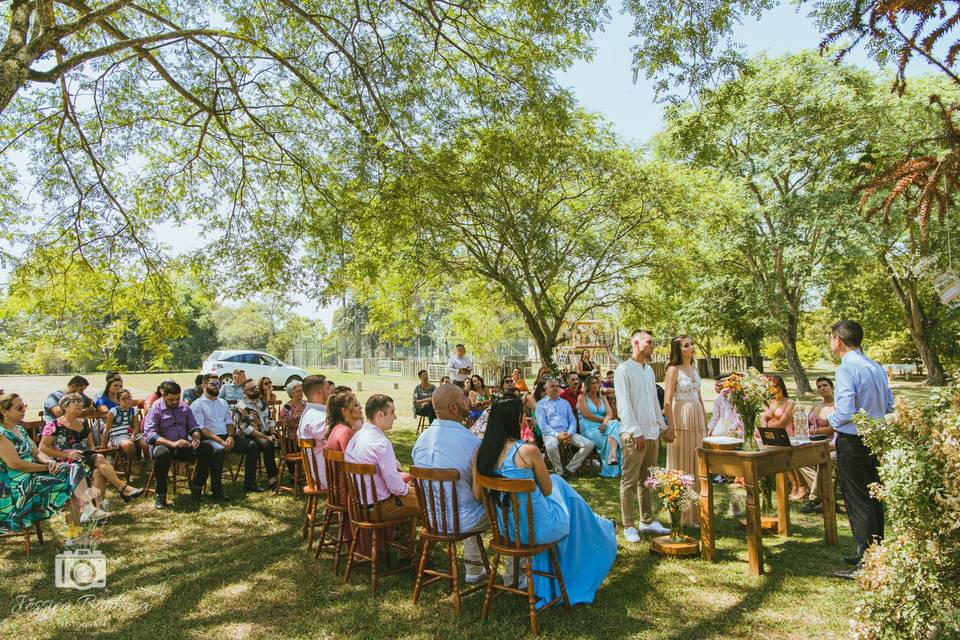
(94,514)
(131,496)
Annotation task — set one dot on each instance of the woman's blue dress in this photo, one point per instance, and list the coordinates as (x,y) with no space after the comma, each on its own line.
(588,544)
(591,430)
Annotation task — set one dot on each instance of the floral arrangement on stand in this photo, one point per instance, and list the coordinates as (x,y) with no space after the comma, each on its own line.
(908,584)
(749,392)
(675,490)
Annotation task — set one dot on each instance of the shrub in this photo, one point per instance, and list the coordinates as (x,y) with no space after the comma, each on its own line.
(909,582)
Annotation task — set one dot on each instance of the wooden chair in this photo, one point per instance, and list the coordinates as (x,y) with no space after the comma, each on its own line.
(179,470)
(289,455)
(501,500)
(335,508)
(422,424)
(34,429)
(25,534)
(437,494)
(362,505)
(311,489)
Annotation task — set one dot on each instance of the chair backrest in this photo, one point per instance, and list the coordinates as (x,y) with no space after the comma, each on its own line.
(33,429)
(274,407)
(437,495)
(336,480)
(361,490)
(310,471)
(287,430)
(501,500)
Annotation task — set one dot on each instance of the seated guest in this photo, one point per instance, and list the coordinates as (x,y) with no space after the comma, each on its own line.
(519,381)
(294,407)
(232,390)
(123,427)
(154,396)
(34,486)
(818,413)
(110,396)
(606,387)
(447,445)
(344,418)
(557,423)
(571,393)
(172,432)
(370,445)
(51,406)
(587,543)
(422,405)
(542,374)
(597,424)
(564,376)
(255,436)
(445,380)
(217,433)
(69,439)
(340,388)
(479,396)
(313,422)
(508,388)
(724,421)
(266,390)
(194,392)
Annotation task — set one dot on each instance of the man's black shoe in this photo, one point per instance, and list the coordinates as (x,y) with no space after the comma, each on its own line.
(852,560)
(196,493)
(845,574)
(220,496)
(161,502)
(254,489)
(810,507)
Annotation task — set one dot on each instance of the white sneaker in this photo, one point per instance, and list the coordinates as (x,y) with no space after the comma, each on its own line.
(480,577)
(522,583)
(653,527)
(630,534)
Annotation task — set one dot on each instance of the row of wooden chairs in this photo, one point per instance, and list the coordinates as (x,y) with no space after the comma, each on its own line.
(350,502)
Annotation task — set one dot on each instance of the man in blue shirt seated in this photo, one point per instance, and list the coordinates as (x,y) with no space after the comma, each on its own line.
(861,384)
(447,444)
(558,425)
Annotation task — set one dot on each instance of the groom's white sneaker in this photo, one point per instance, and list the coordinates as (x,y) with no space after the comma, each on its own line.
(630,534)
(653,527)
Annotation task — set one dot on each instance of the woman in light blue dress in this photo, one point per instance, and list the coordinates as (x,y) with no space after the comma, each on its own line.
(587,542)
(597,424)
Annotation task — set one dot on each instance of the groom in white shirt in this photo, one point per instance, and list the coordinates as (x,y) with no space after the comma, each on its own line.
(641,421)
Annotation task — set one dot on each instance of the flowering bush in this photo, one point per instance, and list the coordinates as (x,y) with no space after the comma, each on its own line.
(674,488)
(910,581)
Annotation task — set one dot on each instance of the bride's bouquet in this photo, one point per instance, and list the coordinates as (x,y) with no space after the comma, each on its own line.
(749,393)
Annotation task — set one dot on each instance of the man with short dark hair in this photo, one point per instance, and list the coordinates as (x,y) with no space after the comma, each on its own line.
(232,390)
(370,445)
(254,427)
(217,432)
(460,366)
(861,385)
(572,393)
(51,406)
(194,392)
(172,432)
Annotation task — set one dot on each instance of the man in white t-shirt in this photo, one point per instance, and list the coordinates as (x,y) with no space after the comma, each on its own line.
(641,422)
(313,423)
(460,366)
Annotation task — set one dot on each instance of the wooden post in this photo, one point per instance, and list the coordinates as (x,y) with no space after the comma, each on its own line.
(754,540)
(783,506)
(706,508)
(827,501)
(359,385)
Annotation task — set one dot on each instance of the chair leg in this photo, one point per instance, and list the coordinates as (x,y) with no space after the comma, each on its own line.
(373,562)
(26,541)
(283,465)
(322,538)
(555,560)
(483,553)
(39,533)
(341,541)
(312,521)
(296,481)
(424,552)
(491,580)
(349,567)
(306,516)
(531,597)
(454,576)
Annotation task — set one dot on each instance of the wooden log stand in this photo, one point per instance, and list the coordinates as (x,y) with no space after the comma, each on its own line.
(687,547)
(753,465)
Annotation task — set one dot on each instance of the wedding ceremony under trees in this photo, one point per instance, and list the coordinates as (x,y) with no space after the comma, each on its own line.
(480,319)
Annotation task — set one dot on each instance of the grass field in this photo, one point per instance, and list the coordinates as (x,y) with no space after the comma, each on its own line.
(242,571)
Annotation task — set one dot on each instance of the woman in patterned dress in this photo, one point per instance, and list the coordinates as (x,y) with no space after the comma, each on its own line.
(33,486)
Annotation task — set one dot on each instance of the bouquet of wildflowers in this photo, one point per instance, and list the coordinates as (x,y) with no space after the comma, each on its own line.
(749,392)
(676,492)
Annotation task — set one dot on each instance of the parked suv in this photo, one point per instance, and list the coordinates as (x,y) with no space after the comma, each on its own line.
(256,364)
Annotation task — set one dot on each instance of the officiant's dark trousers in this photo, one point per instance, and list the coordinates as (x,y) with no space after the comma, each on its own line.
(858,470)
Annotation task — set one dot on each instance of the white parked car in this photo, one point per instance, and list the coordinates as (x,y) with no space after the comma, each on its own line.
(256,364)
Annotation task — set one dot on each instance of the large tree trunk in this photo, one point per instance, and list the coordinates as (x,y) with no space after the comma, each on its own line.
(756,354)
(788,337)
(918,322)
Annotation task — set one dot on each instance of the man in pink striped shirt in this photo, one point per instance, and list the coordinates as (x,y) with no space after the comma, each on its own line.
(396,495)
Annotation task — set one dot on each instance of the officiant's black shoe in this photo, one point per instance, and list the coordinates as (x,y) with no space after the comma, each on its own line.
(845,574)
(161,502)
(853,560)
(810,507)
(196,493)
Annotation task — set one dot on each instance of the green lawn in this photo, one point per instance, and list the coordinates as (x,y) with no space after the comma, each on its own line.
(242,571)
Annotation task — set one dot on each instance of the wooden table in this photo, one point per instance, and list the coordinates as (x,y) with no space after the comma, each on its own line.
(753,465)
